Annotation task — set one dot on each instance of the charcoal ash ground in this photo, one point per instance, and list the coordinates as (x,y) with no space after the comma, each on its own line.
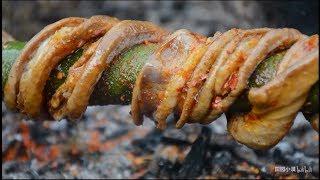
(106,144)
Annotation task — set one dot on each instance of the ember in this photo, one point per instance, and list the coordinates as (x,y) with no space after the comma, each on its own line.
(117,148)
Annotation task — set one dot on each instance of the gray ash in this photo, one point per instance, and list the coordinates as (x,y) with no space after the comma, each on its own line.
(106,144)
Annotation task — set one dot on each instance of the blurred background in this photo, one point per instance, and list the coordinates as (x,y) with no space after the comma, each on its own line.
(25,18)
(106,144)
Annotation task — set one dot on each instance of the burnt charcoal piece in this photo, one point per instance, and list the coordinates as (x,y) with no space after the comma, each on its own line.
(194,162)
(222,158)
(39,133)
(167,168)
(148,144)
(15,149)
(169,140)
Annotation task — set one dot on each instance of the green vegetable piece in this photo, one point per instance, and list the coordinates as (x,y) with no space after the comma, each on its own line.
(18,45)
(55,80)
(10,52)
(117,82)
(266,70)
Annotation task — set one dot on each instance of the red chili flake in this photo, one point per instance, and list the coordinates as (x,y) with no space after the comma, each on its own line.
(161,95)
(192,48)
(231,83)
(185,74)
(242,56)
(229,51)
(176,69)
(252,117)
(216,101)
(203,77)
(183,89)
(194,83)
(200,38)
(311,43)
(274,103)
(166,72)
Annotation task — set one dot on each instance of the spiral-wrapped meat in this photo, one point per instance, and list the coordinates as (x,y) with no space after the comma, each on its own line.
(123,35)
(43,53)
(195,77)
(276,104)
